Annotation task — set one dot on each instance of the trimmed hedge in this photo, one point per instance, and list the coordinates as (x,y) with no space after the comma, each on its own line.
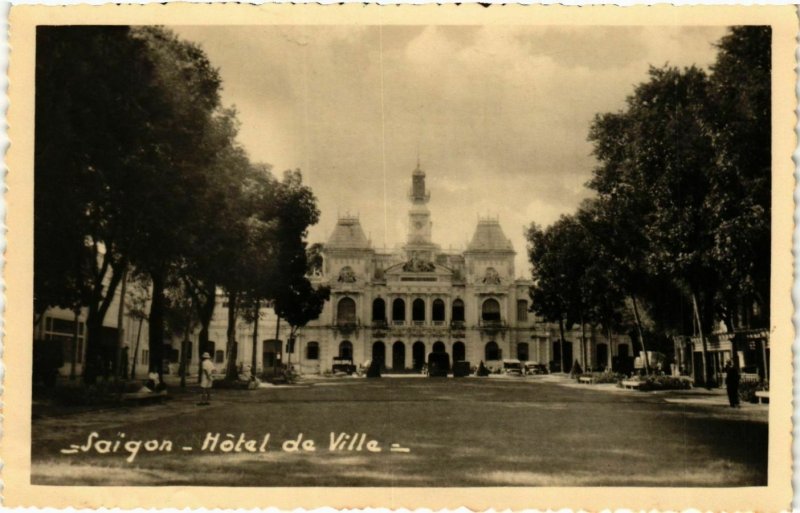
(665,383)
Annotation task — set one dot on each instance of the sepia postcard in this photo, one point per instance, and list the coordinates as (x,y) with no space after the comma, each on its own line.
(400,256)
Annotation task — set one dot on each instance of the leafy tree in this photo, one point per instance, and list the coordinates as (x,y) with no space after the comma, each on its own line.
(93,99)
(559,259)
(296,299)
(739,113)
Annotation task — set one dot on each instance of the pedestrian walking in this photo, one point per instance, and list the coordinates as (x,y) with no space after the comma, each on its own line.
(732,379)
(207,368)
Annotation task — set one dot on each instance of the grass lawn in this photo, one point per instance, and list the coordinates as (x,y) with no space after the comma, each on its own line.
(459,432)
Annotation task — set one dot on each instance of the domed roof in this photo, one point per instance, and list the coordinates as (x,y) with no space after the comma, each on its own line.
(489,236)
(348,234)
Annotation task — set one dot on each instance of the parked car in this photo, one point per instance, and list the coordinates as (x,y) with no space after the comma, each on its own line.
(535,368)
(512,367)
(344,365)
(438,365)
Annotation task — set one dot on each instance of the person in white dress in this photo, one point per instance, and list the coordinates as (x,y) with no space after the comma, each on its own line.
(207,369)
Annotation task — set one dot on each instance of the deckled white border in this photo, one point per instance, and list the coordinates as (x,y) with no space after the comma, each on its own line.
(4,145)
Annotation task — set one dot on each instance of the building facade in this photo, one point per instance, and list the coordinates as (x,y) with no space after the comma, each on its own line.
(398,306)
(393,306)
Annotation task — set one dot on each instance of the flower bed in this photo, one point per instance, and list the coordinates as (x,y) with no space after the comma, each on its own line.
(603,377)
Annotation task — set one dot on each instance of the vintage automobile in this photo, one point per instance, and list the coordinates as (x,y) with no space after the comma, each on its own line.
(534,368)
(343,366)
(438,365)
(512,367)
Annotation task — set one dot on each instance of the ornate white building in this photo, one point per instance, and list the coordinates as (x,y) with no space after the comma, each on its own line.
(398,306)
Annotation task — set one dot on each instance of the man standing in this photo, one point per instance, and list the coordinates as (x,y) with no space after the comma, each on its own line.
(207,369)
(732,383)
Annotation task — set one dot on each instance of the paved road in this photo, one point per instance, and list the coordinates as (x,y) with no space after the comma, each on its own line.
(539,431)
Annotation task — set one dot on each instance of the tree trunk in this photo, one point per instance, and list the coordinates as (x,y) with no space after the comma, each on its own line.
(230,371)
(120,329)
(205,310)
(610,357)
(156,325)
(136,351)
(75,335)
(584,352)
(703,346)
(98,307)
(278,340)
(641,334)
(561,341)
(185,345)
(256,317)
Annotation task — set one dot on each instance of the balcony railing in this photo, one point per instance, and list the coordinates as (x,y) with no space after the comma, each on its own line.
(398,323)
(418,323)
(457,325)
(380,324)
(494,324)
(438,323)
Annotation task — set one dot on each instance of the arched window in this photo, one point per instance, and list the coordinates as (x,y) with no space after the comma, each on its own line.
(346,312)
(458,310)
(490,310)
(398,310)
(418,310)
(492,351)
(522,352)
(438,310)
(379,310)
(346,350)
(312,351)
(459,352)
(439,347)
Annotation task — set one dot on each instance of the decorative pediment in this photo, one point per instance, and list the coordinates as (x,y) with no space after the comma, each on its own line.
(347,275)
(417,265)
(491,277)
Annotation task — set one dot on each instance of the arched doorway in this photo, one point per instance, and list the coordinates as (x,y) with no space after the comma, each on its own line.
(346,312)
(492,351)
(439,347)
(602,356)
(459,352)
(522,351)
(379,353)
(398,356)
(346,350)
(418,354)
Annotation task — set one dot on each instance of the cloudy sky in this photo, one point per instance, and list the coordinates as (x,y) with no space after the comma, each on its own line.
(498,115)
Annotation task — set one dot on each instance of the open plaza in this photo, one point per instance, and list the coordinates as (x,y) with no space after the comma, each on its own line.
(496,431)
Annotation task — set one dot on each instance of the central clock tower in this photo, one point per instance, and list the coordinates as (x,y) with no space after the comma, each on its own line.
(419,218)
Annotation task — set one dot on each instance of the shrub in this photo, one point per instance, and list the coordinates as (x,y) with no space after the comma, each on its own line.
(665,383)
(748,389)
(605,377)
